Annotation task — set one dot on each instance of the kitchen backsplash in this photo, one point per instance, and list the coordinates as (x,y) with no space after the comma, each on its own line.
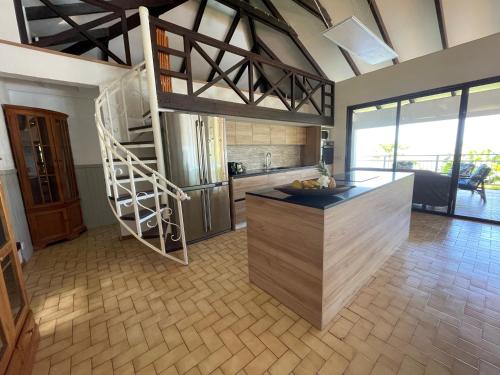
(253,156)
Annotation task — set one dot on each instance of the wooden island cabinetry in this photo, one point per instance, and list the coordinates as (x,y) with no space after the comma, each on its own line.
(313,254)
(240,185)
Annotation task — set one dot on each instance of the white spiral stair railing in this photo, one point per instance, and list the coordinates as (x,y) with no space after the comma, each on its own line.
(123,117)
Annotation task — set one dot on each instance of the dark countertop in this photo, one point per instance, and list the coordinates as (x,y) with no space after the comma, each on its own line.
(363,182)
(257,172)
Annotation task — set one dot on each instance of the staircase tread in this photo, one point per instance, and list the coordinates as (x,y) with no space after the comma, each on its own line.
(169,244)
(142,159)
(142,213)
(128,196)
(137,143)
(135,176)
(140,127)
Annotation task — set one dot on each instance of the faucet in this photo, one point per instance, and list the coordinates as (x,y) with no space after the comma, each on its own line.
(268,160)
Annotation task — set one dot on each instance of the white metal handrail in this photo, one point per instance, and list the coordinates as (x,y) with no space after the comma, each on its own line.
(123,169)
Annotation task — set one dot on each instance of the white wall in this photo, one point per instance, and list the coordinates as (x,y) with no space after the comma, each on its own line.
(467,62)
(76,102)
(20,61)
(8,21)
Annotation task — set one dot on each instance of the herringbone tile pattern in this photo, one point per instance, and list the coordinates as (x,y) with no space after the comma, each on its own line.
(113,307)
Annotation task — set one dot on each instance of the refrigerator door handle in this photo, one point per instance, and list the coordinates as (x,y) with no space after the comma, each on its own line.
(200,152)
(209,212)
(205,150)
(204,209)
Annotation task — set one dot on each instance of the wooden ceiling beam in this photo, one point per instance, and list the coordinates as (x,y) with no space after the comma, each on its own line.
(72,35)
(41,12)
(312,8)
(227,39)
(84,32)
(328,24)
(267,19)
(115,30)
(295,38)
(381,26)
(196,27)
(442,27)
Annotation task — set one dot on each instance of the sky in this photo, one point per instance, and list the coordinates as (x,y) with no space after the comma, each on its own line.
(430,138)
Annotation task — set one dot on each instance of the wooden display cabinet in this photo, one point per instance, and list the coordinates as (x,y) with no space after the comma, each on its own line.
(42,152)
(18,331)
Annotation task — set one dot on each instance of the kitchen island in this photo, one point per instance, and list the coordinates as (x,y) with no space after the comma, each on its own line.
(314,253)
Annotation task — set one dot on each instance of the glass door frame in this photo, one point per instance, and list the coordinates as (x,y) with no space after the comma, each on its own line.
(462,116)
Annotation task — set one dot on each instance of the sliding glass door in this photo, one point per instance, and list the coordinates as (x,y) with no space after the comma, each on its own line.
(426,142)
(373,137)
(478,188)
(449,139)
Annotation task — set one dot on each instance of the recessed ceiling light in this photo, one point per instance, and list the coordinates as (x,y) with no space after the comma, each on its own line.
(358,39)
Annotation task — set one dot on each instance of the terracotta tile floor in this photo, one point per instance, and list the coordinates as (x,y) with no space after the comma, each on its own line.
(113,307)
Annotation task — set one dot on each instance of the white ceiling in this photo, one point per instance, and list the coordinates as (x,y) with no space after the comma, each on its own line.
(411,24)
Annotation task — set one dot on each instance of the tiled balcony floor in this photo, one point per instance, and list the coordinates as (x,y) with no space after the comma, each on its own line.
(472,205)
(113,307)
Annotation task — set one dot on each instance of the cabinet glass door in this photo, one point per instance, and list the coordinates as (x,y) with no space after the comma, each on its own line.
(12,284)
(4,234)
(38,158)
(3,343)
(64,158)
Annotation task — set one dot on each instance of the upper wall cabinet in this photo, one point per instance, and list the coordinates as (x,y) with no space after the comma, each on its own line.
(261,134)
(278,134)
(243,133)
(230,132)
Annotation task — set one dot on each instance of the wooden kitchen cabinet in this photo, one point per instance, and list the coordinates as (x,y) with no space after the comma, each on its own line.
(278,136)
(243,133)
(261,134)
(301,135)
(312,149)
(290,135)
(230,132)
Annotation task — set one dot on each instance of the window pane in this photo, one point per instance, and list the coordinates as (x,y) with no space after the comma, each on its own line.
(426,145)
(478,193)
(12,283)
(373,136)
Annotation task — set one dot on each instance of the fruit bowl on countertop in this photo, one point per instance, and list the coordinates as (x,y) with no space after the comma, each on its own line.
(323,186)
(288,189)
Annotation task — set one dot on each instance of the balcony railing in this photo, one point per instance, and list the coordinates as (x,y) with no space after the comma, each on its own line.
(304,97)
(440,163)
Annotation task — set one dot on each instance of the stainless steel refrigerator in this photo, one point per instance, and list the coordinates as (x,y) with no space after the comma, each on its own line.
(195,160)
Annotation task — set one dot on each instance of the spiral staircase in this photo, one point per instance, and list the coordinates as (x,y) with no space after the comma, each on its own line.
(145,203)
